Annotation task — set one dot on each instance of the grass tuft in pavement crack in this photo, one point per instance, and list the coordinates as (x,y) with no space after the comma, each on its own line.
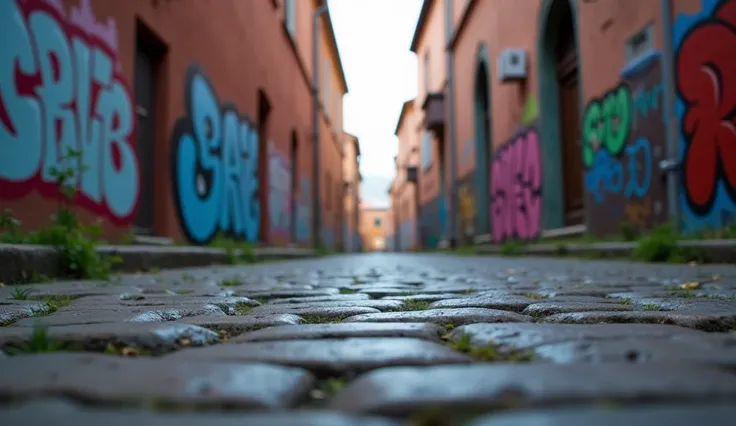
(415,305)
(535,296)
(488,353)
(348,291)
(52,304)
(230,282)
(322,319)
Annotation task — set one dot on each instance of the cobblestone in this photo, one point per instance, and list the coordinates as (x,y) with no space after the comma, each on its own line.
(434,339)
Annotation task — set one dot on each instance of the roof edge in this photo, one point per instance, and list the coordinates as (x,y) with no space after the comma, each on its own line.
(426,5)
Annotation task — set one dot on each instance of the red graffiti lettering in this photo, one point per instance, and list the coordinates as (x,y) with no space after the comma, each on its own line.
(516,188)
(706,81)
(61,89)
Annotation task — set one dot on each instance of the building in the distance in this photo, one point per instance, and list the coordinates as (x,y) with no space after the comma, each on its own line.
(562,117)
(351,199)
(186,131)
(374,225)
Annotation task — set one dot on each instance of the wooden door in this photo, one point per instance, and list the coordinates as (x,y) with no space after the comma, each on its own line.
(572,165)
(145,73)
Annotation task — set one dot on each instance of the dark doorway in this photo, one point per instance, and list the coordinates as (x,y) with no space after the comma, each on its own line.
(482,143)
(264,111)
(294,162)
(442,216)
(148,57)
(569,98)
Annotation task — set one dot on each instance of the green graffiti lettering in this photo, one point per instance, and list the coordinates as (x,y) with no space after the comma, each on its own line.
(607,123)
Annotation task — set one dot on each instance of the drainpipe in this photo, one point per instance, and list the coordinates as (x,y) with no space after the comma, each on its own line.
(671,164)
(316,213)
(451,120)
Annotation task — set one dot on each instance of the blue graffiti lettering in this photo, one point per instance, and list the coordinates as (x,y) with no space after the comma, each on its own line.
(639,186)
(609,176)
(215,167)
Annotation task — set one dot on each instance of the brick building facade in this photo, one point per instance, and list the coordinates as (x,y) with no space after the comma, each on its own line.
(572,116)
(192,117)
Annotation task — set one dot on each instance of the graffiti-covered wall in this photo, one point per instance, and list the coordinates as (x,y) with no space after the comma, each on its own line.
(705,67)
(215,162)
(516,188)
(61,88)
(623,143)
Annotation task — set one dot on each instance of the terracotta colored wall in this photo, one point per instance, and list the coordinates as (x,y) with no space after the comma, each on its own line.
(256,37)
(352,194)
(374,237)
(432,40)
(404,203)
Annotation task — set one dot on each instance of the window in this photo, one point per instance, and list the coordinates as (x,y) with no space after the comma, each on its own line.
(377,222)
(426,150)
(426,73)
(290,17)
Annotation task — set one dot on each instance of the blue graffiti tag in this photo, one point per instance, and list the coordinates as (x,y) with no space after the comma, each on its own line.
(215,167)
(608,175)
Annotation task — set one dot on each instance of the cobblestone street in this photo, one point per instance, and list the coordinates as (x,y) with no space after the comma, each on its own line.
(374,340)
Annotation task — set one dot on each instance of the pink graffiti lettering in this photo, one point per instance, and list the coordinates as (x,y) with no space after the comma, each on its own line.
(516,188)
(60,89)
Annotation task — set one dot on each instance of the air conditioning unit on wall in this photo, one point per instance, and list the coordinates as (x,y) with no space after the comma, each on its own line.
(512,64)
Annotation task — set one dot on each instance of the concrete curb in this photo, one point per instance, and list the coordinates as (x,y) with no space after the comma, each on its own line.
(712,251)
(20,261)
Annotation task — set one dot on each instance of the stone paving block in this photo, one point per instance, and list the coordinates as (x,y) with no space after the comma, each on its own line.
(60,413)
(400,391)
(649,415)
(77,318)
(519,337)
(379,292)
(317,313)
(709,350)
(502,302)
(591,291)
(155,337)
(424,297)
(425,331)
(275,294)
(167,300)
(13,312)
(311,299)
(330,356)
(116,380)
(235,325)
(550,307)
(700,321)
(581,299)
(454,317)
(380,305)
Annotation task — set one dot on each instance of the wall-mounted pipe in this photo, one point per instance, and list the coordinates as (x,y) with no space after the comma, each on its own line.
(316,213)
(671,165)
(451,122)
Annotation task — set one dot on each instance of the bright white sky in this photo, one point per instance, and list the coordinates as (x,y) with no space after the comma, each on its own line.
(373,37)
